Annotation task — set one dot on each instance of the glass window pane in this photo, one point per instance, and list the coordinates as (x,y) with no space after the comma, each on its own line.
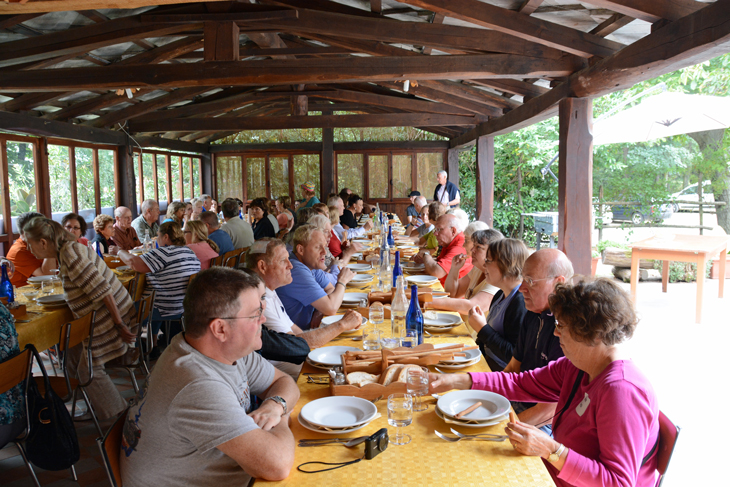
(196,177)
(401,175)
(186,178)
(306,168)
(429,164)
(175,177)
(135,158)
(378,175)
(279,174)
(149,182)
(162,177)
(58,170)
(85,182)
(255,177)
(21,178)
(350,173)
(228,177)
(106,178)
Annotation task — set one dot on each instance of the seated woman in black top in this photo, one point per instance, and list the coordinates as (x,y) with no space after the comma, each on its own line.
(497,332)
(354,206)
(104,227)
(261,225)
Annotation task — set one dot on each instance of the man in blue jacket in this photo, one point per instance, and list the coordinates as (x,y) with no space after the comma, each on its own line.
(446,193)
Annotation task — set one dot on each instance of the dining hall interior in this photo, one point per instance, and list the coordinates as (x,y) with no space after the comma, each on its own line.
(160,104)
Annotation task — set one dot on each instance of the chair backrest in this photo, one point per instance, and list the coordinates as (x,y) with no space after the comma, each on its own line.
(217,261)
(111,446)
(230,258)
(76,332)
(192,276)
(136,287)
(15,370)
(668,434)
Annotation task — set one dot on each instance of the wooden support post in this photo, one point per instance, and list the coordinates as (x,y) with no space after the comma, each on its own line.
(42,177)
(97,181)
(206,174)
(485,180)
(452,166)
(221,41)
(168,170)
(74,186)
(327,163)
(124,172)
(4,178)
(575,185)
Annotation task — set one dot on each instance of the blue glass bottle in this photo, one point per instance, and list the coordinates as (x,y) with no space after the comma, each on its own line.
(414,317)
(397,271)
(391,240)
(6,287)
(98,250)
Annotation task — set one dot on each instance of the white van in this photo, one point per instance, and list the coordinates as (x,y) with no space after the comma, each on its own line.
(690,194)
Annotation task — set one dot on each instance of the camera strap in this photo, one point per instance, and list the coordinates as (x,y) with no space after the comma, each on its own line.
(338,465)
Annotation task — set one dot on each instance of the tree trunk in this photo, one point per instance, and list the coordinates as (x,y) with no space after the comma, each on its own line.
(712,140)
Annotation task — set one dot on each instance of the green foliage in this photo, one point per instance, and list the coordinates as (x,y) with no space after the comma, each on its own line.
(604,244)
(21,176)
(683,271)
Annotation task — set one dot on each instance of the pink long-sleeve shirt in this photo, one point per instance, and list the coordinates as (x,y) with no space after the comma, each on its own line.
(612,423)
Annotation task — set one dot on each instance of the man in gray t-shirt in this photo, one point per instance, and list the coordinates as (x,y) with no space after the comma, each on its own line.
(193,424)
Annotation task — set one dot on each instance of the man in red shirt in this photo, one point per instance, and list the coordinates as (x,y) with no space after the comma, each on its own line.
(449,231)
(26,265)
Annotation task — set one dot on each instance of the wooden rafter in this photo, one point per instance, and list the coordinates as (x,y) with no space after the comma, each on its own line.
(651,10)
(611,24)
(529,6)
(513,86)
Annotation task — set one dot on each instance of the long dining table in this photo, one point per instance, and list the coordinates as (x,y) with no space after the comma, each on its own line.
(427,459)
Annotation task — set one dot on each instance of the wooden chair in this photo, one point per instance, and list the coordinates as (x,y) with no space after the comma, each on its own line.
(192,276)
(282,233)
(136,286)
(668,434)
(110,446)
(217,261)
(230,259)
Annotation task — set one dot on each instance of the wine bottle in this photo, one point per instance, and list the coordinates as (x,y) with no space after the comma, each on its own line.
(391,241)
(414,317)
(6,287)
(396,267)
(398,309)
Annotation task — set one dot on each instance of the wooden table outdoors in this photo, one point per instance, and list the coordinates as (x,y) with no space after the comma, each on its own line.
(698,249)
(426,460)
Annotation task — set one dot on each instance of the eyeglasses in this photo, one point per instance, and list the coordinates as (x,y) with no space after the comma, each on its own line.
(255,317)
(558,326)
(531,282)
(488,261)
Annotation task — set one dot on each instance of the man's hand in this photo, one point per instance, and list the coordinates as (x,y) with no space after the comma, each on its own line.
(351,320)
(346,275)
(477,320)
(268,415)
(418,258)
(368,225)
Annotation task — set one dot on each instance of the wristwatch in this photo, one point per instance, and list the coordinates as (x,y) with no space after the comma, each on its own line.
(279,400)
(554,456)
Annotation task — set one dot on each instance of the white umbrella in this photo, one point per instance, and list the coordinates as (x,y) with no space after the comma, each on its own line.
(664,115)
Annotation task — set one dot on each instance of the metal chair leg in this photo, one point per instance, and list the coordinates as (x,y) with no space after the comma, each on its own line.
(73,474)
(92,412)
(27,463)
(133,379)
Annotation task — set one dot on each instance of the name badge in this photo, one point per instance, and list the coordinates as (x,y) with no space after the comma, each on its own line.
(583,405)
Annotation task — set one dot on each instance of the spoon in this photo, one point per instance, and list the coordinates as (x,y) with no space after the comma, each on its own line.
(350,443)
(489,435)
(459,438)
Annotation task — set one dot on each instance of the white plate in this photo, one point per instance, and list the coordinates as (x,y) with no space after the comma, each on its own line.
(339,411)
(472,425)
(40,278)
(493,404)
(439,329)
(363,241)
(319,366)
(329,355)
(451,365)
(124,268)
(357,256)
(422,280)
(328,320)
(359,267)
(353,298)
(442,319)
(52,299)
(316,429)
(471,356)
(137,251)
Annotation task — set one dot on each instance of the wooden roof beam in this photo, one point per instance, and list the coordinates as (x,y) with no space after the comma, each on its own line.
(89,106)
(611,25)
(473,94)
(99,17)
(7,21)
(529,6)
(523,26)
(436,18)
(512,86)
(651,10)
(446,98)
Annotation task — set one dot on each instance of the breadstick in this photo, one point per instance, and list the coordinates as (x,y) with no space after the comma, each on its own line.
(466,411)
(512,417)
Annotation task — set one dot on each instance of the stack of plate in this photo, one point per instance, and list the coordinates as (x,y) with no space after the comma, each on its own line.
(124,268)
(352,300)
(359,267)
(52,301)
(328,320)
(328,357)
(363,242)
(472,357)
(360,280)
(494,408)
(440,322)
(36,281)
(337,414)
(422,281)
(137,251)
(413,268)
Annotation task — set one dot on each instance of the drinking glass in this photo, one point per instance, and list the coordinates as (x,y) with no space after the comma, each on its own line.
(371,339)
(400,415)
(56,276)
(417,386)
(377,313)
(409,339)
(46,288)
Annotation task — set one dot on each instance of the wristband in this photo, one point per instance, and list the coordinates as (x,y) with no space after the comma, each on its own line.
(338,282)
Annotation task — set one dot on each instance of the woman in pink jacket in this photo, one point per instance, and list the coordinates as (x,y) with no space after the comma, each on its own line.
(606,425)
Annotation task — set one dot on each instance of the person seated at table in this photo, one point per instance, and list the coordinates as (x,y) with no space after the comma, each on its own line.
(175,212)
(207,201)
(261,225)
(196,238)
(76,224)
(425,235)
(271,209)
(606,430)
(168,270)
(449,231)
(236,227)
(341,249)
(349,216)
(473,289)
(285,217)
(90,286)
(12,402)
(499,330)
(25,262)
(350,233)
(332,264)
(269,259)
(221,238)
(147,222)
(416,218)
(308,198)
(198,208)
(303,216)
(124,236)
(104,228)
(194,425)
(188,215)
(310,288)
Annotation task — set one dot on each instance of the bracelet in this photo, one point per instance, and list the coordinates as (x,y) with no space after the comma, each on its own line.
(338,282)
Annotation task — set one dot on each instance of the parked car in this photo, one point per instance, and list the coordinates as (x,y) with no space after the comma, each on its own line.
(690,194)
(642,213)
(605,218)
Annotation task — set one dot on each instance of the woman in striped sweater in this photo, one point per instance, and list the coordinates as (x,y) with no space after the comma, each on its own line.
(90,286)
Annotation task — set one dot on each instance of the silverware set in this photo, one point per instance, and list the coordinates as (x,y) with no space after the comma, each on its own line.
(462,436)
(348,442)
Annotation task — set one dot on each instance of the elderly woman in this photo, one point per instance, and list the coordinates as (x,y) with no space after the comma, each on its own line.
(309,199)
(472,289)
(285,216)
(90,286)
(197,208)
(104,228)
(196,238)
(606,427)
(502,269)
(261,225)
(76,225)
(188,215)
(168,270)
(175,212)
(431,213)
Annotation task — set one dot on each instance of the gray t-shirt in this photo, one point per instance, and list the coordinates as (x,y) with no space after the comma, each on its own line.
(240,232)
(192,405)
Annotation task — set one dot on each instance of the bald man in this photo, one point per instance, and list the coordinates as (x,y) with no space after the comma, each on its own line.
(124,237)
(449,231)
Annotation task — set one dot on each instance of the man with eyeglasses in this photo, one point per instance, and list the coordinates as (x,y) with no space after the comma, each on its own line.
(537,344)
(449,231)
(124,236)
(194,424)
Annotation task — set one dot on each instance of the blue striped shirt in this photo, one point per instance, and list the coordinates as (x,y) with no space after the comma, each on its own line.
(170,269)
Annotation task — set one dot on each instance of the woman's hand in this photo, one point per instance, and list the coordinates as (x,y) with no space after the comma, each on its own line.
(458,262)
(448,382)
(477,319)
(530,440)
(126,334)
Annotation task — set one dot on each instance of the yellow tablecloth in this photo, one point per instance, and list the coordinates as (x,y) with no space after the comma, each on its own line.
(427,460)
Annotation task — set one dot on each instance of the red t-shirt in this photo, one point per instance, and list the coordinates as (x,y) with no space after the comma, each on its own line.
(455,248)
(24,261)
(335,245)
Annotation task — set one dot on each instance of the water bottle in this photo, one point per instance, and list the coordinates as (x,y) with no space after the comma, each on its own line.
(147,242)
(396,267)
(391,240)
(398,309)
(414,318)
(6,287)
(384,275)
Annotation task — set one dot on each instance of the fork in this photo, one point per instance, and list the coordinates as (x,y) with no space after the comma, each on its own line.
(348,442)
(459,438)
(488,435)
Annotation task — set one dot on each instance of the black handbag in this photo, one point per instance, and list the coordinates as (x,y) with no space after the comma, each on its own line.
(52,443)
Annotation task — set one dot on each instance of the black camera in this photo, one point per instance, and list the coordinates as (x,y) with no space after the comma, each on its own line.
(377,443)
